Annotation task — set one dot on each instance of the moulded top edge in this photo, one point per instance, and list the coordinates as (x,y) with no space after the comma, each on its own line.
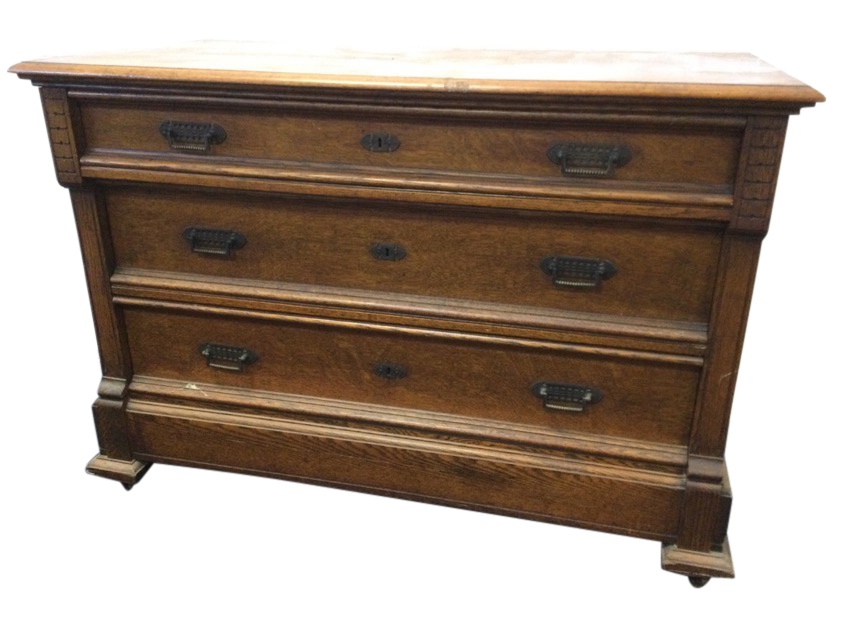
(647,75)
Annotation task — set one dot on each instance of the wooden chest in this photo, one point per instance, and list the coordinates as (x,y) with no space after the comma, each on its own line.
(515,282)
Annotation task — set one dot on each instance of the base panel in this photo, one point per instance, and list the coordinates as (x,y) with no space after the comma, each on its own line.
(529,484)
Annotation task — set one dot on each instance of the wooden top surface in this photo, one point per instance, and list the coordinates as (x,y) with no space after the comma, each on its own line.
(723,76)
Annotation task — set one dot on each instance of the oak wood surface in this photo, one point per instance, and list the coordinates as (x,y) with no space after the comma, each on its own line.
(733,76)
(649,200)
(716,564)
(98,263)
(66,140)
(758,170)
(628,455)
(345,321)
(540,108)
(707,498)
(299,300)
(664,272)
(516,484)
(467,316)
(649,401)
(128,472)
(664,155)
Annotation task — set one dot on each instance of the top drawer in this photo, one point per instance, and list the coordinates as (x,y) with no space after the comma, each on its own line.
(653,157)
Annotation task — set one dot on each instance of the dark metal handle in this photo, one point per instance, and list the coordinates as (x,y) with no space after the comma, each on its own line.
(220,356)
(387,251)
(389,370)
(573,271)
(218,242)
(380,142)
(588,160)
(566,397)
(192,136)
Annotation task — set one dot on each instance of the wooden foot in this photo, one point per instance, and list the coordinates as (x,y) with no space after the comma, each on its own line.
(699,566)
(128,472)
(698,581)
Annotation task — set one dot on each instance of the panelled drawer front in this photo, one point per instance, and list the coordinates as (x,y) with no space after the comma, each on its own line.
(661,271)
(642,399)
(662,156)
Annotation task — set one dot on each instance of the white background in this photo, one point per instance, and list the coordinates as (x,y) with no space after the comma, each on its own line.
(192,553)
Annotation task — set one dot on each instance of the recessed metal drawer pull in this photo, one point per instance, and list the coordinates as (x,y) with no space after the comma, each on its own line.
(218,242)
(196,137)
(566,397)
(574,271)
(220,356)
(588,160)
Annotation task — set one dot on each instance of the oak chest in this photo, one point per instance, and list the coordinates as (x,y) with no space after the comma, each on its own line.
(515,282)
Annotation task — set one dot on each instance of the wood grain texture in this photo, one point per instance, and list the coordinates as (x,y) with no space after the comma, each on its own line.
(664,155)
(521,485)
(109,417)
(128,472)
(726,334)
(64,133)
(648,401)
(414,378)
(362,417)
(663,272)
(704,514)
(540,108)
(429,332)
(648,76)
(707,499)
(761,156)
(413,186)
(713,564)
(645,401)
(300,300)
(98,264)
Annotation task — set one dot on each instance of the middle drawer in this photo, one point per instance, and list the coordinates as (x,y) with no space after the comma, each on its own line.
(558,261)
(557,388)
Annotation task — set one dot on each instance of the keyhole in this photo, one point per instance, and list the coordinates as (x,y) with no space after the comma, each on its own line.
(387,251)
(378,143)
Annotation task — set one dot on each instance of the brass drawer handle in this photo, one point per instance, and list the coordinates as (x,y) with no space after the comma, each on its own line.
(389,370)
(380,142)
(588,160)
(195,137)
(574,271)
(566,397)
(220,356)
(218,242)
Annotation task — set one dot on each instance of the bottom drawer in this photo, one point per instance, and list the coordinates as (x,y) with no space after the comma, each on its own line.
(547,385)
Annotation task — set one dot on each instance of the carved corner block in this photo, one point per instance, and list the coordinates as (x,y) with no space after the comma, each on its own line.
(115,460)
(706,507)
(108,413)
(64,133)
(758,169)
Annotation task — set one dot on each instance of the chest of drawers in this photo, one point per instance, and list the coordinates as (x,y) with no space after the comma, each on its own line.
(515,282)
